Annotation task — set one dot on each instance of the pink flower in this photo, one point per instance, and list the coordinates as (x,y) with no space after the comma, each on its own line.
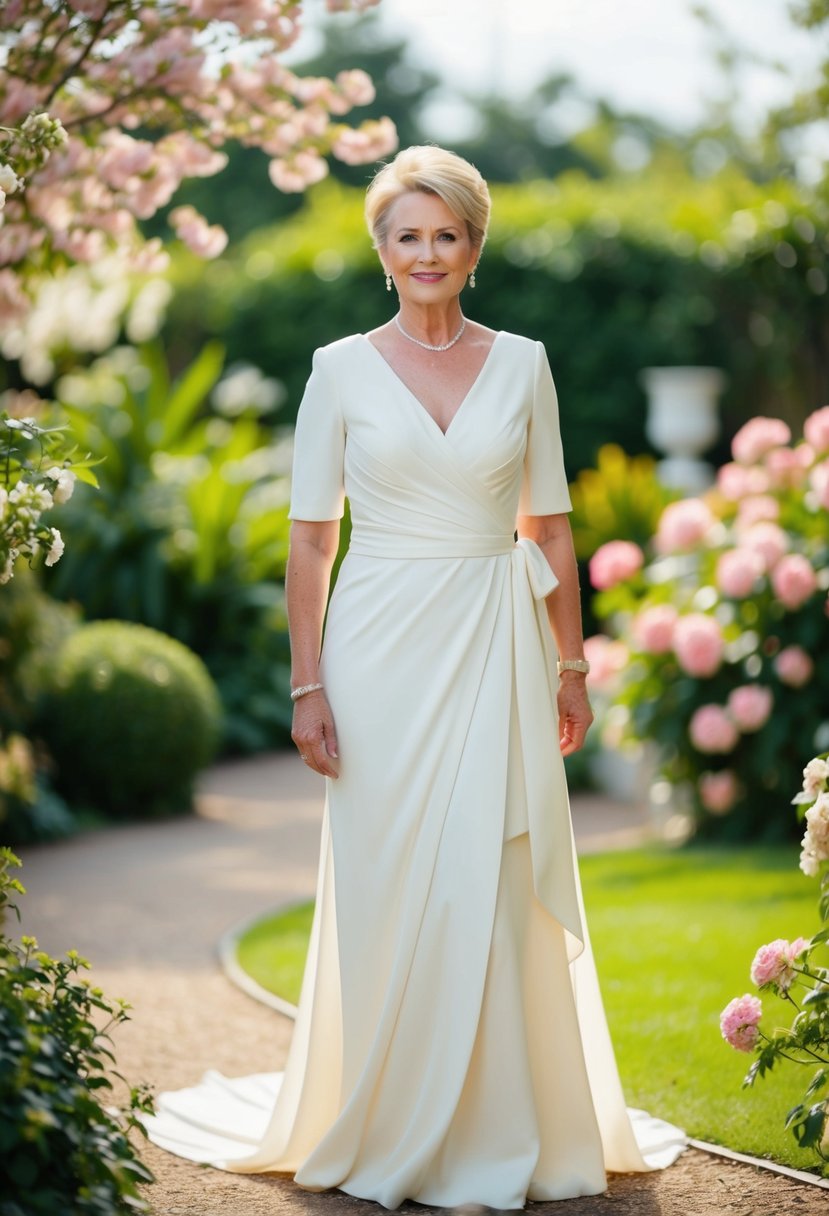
(698,644)
(735,481)
(757,437)
(793,580)
(756,509)
(356,86)
(794,666)
(294,175)
(786,469)
(767,539)
(711,730)
(683,525)
(750,706)
(773,964)
(738,571)
(606,657)
(719,791)
(614,562)
(653,628)
(739,1022)
(818,478)
(816,429)
(205,240)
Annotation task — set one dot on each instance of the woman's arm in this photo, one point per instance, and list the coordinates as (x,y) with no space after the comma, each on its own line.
(552,534)
(313,548)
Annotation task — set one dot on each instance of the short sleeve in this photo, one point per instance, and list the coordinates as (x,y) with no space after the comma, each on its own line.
(317,490)
(544,488)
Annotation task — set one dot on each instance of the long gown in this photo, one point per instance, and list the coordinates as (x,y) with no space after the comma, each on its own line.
(450,1044)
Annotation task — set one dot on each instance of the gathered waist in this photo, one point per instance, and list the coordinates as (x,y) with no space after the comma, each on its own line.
(382,542)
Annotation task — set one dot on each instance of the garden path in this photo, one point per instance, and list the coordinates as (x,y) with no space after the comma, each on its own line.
(146,903)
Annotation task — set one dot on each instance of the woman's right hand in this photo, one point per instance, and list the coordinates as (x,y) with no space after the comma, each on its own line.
(313,733)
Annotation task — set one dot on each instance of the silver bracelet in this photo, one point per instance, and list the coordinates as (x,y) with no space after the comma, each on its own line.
(581,665)
(303,690)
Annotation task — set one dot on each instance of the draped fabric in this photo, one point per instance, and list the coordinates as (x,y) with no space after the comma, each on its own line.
(451,1045)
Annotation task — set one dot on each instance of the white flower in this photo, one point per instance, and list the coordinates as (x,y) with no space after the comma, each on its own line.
(4,498)
(8,568)
(814,775)
(9,181)
(809,863)
(56,550)
(65,483)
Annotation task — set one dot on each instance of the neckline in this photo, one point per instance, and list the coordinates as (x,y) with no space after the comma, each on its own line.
(421,407)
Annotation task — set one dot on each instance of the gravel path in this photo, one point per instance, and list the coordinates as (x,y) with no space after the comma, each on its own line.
(146,904)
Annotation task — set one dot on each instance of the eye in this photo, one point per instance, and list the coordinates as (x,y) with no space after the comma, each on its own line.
(448,236)
(407,236)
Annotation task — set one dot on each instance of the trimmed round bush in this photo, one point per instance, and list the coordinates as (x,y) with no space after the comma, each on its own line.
(131,717)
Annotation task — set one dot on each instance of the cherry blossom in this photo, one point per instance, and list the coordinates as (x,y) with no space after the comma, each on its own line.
(81,79)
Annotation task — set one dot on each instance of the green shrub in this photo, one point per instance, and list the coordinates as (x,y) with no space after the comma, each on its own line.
(132,715)
(32,629)
(188,531)
(61,1151)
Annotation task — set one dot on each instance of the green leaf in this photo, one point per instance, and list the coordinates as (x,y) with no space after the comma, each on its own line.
(190,391)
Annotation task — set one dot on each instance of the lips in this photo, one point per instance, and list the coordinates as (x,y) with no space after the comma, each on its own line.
(429,278)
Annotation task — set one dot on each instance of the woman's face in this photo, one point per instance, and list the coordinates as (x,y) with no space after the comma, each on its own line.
(427,252)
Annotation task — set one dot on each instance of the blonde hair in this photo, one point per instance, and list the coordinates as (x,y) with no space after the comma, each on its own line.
(430,170)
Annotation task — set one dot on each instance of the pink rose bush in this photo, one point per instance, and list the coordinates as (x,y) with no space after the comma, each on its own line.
(789,973)
(725,627)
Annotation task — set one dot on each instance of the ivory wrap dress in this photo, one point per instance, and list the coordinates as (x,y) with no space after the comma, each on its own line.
(450,1045)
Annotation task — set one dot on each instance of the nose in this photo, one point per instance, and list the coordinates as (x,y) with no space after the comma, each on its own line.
(427,252)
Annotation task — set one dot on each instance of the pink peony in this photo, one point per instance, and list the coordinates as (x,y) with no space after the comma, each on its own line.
(614,562)
(606,657)
(683,525)
(750,707)
(712,731)
(756,509)
(698,644)
(785,468)
(739,1022)
(773,964)
(816,430)
(738,571)
(793,580)
(735,481)
(653,629)
(794,666)
(719,791)
(757,437)
(767,539)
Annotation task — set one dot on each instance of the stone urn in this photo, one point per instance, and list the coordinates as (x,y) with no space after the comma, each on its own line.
(683,422)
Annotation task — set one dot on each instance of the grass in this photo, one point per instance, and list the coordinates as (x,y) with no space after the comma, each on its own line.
(674,933)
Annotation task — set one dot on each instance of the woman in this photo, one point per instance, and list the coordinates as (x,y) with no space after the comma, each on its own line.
(450,1045)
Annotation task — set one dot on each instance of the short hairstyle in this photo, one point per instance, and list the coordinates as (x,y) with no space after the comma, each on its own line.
(430,170)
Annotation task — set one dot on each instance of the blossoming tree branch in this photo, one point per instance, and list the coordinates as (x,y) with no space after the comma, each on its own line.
(106,106)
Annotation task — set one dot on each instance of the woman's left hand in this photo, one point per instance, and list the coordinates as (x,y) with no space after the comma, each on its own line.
(574,712)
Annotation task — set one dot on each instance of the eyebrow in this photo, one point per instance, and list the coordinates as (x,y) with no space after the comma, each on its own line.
(445,228)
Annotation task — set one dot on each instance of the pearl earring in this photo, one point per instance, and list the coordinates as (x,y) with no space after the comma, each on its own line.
(472,279)
(388,282)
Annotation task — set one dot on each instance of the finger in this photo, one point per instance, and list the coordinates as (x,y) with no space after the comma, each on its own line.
(330,737)
(320,760)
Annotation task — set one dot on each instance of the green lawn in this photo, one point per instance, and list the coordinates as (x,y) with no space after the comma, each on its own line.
(674,934)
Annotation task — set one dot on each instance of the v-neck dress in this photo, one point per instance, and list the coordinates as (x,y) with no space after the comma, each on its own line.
(450,1044)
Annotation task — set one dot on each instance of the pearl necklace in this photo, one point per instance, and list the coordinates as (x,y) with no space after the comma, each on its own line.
(426,345)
